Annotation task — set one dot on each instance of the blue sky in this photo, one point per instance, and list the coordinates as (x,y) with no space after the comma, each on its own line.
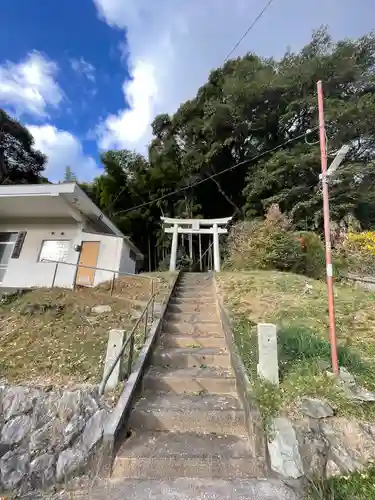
(87,75)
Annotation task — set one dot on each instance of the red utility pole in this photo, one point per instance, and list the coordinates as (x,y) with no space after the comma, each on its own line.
(327,231)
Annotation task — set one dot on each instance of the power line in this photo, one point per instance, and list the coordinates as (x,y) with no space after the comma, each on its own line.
(249,29)
(216,174)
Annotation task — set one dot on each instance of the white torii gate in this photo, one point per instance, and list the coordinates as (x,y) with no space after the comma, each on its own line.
(195,226)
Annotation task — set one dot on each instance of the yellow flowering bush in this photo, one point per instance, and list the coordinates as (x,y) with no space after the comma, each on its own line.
(358,252)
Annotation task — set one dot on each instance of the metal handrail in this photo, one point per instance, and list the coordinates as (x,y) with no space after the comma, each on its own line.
(129,338)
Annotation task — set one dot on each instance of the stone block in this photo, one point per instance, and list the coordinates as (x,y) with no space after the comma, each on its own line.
(101,309)
(283,450)
(268,365)
(93,430)
(15,430)
(115,342)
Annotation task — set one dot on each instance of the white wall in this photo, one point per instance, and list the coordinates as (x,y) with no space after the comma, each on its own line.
(26,271)
(127,265)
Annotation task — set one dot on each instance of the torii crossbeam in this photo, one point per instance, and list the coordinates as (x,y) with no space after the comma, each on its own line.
(195,226)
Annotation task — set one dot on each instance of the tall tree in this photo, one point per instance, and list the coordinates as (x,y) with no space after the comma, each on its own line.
(20,163)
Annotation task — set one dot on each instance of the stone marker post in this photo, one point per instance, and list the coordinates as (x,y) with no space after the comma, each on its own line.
(268,364)
(115,342)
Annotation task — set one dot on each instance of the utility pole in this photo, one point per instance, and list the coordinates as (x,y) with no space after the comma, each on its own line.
(327,231)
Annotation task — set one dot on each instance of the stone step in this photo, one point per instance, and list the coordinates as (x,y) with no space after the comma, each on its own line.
(185,488)
(195,289)
(192,300)
(189,413)
(189,317)
(171,455)
(192,341)
(190,380)
(189,297)
(191,357)
(211,328)
(199,308)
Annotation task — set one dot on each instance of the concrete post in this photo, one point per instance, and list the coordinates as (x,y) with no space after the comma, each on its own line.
(172,266)
(268,365)
(115,342)
(216,249)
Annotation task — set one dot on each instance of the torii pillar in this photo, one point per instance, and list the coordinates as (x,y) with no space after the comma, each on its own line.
(195,226)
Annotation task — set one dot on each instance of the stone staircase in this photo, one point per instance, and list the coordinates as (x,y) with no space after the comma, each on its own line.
(189,422)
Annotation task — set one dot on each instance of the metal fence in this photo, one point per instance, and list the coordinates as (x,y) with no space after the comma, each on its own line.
(146,315)
(112,280)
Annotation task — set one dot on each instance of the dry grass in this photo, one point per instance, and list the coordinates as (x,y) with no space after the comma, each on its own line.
(293,300)
(51,337)
(298,305)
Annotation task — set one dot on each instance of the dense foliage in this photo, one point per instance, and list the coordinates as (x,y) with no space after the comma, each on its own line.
(20,163)
(247,107)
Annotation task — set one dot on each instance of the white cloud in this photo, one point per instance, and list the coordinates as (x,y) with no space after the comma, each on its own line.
(63,149)
(29,87)
(172,47)
(83,67)
(129,125)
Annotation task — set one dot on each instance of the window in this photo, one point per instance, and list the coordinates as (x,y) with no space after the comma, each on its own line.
(55,250)
(132,255)
(7,241)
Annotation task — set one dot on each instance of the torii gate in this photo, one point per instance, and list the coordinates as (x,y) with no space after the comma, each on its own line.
(195,226)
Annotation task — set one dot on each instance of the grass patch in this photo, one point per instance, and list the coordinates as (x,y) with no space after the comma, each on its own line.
(51,337)
(299,306)
(358,485)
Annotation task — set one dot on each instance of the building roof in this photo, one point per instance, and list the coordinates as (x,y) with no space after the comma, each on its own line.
(55,201)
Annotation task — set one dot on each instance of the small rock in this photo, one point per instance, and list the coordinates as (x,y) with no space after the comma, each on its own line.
(316,408)
(101,309)
(42,470)
(346,377)
(48,437)
(313,447)
(18,400)
(283,450)
(69,405)
(89,404)
(45,409)
(70,461)
(357,393)
(73,429)
(332,469)
(14,469)
(15,430)
(93,430)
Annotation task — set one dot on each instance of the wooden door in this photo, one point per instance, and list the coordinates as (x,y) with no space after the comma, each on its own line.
(88,257)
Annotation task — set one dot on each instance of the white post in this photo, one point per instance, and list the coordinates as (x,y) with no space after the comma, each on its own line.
(216,249)
(172,265)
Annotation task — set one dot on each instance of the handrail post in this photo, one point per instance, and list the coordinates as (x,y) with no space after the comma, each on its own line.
(112,284)
(146,324)
(131,353)
(153,300)
(54,275)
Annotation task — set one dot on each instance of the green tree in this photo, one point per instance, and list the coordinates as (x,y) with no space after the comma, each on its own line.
(20,163)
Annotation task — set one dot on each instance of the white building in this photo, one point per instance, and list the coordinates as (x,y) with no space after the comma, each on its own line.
(41,223)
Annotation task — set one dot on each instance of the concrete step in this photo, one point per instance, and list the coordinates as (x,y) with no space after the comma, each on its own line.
(184,488)
(189,413)
(170,455)
(191,317)
(191,357)
(193,308)
(192,341)
(194,289)
(192,300)
(190,380)
(211,328)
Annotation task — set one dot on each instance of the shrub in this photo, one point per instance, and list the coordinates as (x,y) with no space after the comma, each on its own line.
(357,253)
(313,261)
(271,244)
